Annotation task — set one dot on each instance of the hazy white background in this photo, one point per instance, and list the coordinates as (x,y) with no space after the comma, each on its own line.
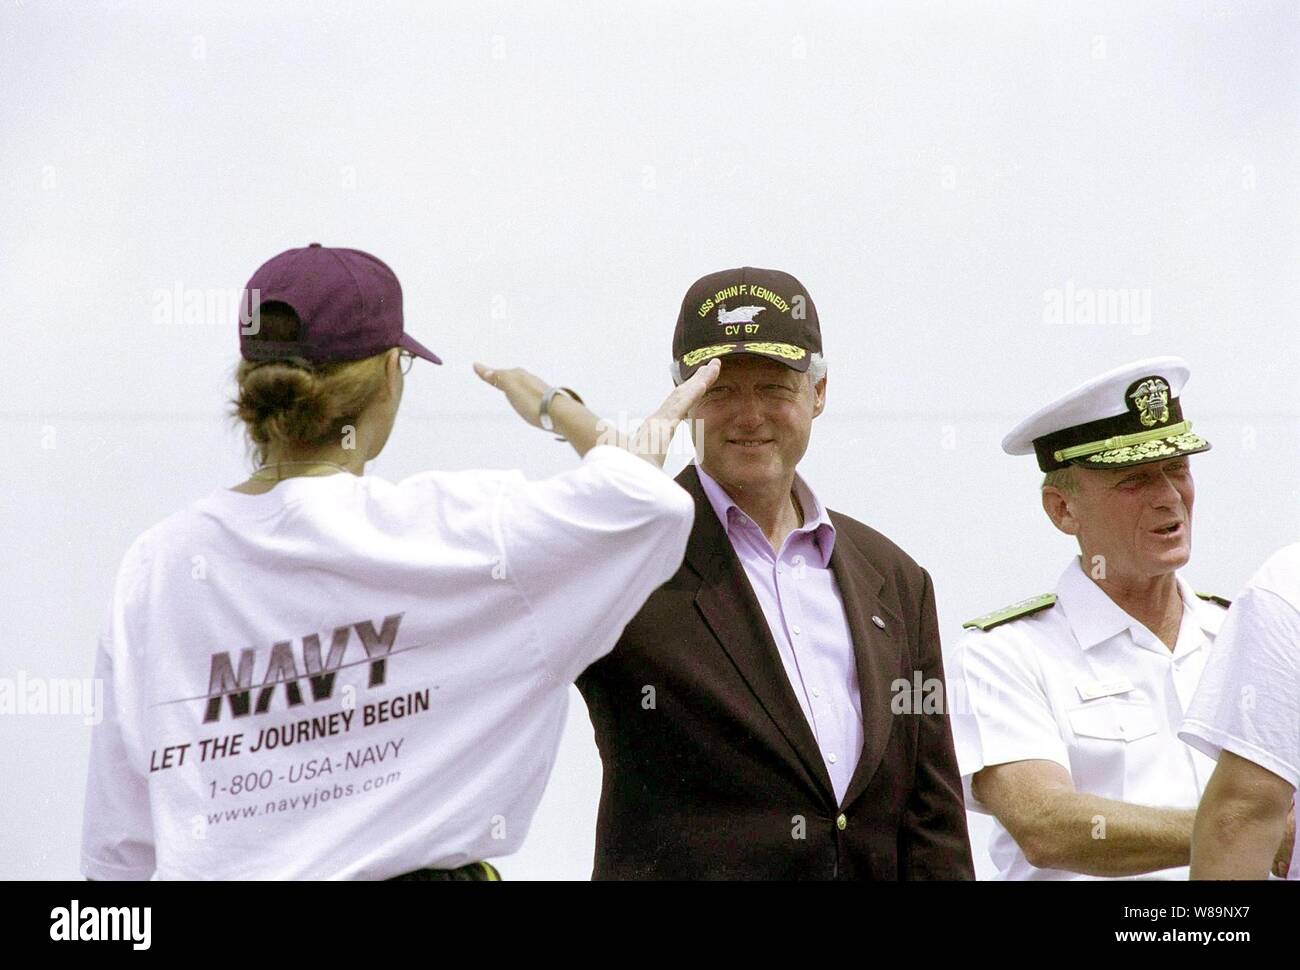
(547,178)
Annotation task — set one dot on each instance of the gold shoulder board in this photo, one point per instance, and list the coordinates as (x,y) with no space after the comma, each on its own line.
(1013,612)
(1225,603)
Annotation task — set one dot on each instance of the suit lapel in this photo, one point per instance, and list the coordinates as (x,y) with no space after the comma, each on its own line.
(876,651)
(726,601)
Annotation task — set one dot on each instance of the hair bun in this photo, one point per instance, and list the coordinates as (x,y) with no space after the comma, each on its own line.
(296,404)
(283,400)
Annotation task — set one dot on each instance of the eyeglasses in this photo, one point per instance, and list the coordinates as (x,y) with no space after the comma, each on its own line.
(406,359)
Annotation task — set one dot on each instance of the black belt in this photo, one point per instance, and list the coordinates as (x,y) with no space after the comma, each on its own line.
(474,872)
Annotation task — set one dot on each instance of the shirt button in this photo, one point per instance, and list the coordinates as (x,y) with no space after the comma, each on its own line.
(831,758)
(780,568)
(816,692)
(841,823)
(794,630)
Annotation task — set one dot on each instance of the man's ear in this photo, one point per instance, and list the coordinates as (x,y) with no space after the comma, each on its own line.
(1057,506)
(819,397)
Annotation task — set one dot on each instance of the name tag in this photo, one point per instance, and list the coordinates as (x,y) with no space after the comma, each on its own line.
(1103,688)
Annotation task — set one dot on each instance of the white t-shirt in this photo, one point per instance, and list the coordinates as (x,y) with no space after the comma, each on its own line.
(350,678)
(1249,698)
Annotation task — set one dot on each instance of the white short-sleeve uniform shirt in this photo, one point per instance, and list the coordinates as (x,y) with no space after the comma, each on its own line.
(1249,698)
(1087,686)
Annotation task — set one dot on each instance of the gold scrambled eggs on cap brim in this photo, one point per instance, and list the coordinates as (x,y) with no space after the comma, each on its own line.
(796,358)
(1157,449)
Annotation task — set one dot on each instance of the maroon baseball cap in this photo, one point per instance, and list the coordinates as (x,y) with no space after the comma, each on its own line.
(349,304)
(747,311)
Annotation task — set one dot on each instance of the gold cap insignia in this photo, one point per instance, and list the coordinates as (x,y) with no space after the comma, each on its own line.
(1152,400)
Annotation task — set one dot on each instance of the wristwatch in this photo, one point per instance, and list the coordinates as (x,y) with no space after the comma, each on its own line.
(544,415)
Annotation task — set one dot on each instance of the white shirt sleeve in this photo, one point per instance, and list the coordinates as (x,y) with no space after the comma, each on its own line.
(588,547)
(1248,697)
(1000,709)
(117,840)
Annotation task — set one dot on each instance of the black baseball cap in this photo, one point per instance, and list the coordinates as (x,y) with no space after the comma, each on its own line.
(747,311)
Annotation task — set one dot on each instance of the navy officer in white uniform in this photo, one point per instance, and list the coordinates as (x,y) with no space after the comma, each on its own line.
(1067,730)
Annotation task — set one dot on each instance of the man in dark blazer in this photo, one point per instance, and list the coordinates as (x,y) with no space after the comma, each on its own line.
(775,710)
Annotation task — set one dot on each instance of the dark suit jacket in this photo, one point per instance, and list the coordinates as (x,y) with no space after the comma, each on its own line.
(715,774)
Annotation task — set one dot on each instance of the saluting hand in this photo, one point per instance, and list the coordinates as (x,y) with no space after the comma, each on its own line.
(583,429)
(523,390)
(656,432)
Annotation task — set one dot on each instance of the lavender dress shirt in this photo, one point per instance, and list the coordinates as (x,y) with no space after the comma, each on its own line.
(805,613)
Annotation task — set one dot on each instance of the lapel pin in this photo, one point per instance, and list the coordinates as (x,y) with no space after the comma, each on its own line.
(878,622)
